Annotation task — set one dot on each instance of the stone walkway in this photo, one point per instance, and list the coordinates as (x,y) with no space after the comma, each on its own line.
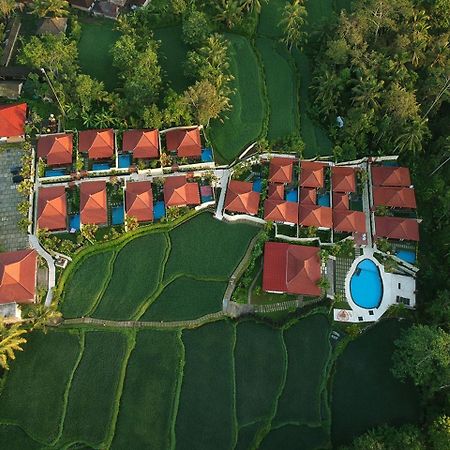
(11,238)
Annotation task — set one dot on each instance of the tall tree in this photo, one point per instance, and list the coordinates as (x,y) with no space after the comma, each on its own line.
(41,316)
(50,8)
(229,12)
(7,7)
(251,5)
(11,341)
(293,22)
(411,139)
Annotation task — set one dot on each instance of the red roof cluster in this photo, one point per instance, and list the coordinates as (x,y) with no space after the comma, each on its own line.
(52,208)
(315,216)
(98,143)
(343,179)
(186,142)
(12,120)
(139,200)
(391,176)
(396,197)
(93,206)
(241,198)
(142,143)
(294,269)
(281,211)
(179,192)
(311,175)
(349,221)
(396,228)
(56,149)
(280,170)
(18,276)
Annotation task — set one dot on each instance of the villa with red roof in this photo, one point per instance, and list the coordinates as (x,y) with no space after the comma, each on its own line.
(397,228)
(52,208)
(143,144)
(281,211)
(343,179)
(55,149)
(179,192)
(311,175)
(99,144)
(93,203)
(276,192)
(341,200)
(185,142)
(241,198)
(280,170)
(18,276)
(348,221)
(315,216)
(391,176)
(139,200)
(12,122)
(395,197)
(292,269)
(308,196)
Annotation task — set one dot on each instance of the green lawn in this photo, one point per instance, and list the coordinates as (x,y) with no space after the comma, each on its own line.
(308,348)
(33,394)
(14,438)
(172,56)
(245,121)
(97,39)
(365,394)
(147,404)
(281,83)
(92,398)
(271,14)
(186,299)
(136,273)
(86,283)
(205,417)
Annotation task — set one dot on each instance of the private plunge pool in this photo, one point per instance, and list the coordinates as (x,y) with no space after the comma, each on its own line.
(366,286)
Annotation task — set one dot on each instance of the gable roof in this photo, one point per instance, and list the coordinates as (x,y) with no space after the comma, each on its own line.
(93,207)
(18,276)
(178,192)
(143,143)
(52,208)
(294,269)
(280,170)
(139,200)
(187,142)
(98,143)
(315,216)
(343,179)
(52,25)
(308,196)
(349,221)
(241,198)
(311,174)
(394,197)
(12,120)
(276,192)
(396,228)
(341,200)
(280,211)
(56,148)
(390,176)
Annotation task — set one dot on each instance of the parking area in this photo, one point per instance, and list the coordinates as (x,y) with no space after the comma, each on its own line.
(11,238)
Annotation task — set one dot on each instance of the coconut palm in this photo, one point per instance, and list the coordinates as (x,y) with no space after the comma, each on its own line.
(50,8)
(11,341)
(41,315)
(293,21)
(367,92)
(229,12)
(251,5)
(7,7)
(410,140)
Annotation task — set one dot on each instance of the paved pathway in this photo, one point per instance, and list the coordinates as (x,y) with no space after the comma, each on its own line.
(223,175)
(34,243)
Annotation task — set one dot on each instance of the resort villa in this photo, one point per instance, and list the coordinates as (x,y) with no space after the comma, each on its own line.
(12,122)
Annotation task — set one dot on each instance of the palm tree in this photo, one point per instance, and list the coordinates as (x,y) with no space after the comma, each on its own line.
(367,92)
(250,5)
(326,87)
(41,315)
(293,21)
(50,8)
(7,7)
(230,12)
(412,137)
(11,340)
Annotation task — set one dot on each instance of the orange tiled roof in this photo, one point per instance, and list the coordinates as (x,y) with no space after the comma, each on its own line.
(397,228)
(343,179)
(241,198)
(390,176)
(93,207)
(349,221)
(52,208)
(276,192)
(311,174)
(56,148)
(139,200)
(280,211)
(178,192)
(187,143)
(397,197)
(315,216)
(142,143)
(98,143)
(280,170)
(12,120)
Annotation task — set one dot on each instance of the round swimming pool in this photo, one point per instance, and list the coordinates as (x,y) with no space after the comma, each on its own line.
(366,286)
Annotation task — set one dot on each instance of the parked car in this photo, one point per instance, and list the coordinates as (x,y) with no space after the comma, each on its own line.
(16,170)
(17,179)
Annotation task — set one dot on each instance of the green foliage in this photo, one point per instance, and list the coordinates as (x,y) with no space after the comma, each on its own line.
(50,8)
(11,341)
(439,433)
(196,27)
(6,8)
(293,23)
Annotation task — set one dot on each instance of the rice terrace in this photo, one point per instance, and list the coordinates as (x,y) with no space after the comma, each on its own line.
(224,225)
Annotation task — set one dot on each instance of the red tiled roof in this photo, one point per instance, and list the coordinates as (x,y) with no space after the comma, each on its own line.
(52,208)
(18,276)
(390,176)
(241,198)
(187,143)
(311,174)
(396,228)
(349,221)
(294,269)
(178,192)
(315,216)
(56,148)
(93,207)
(280,170)
(139,200)
(12,120)
(98,143)
(276,192)
(280,211)
(340,200)
(343,179)
(308,196)
(395,197)
(143,143)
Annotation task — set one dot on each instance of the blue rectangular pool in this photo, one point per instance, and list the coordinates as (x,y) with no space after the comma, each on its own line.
(257,184)
(74,222)
(323,200)
(207,155)
(124,161)
(407,255)
(55,173)
(292,195)
(117,215)
(159,210)
(100,166)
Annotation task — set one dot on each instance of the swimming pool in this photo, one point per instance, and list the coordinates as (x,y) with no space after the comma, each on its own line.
(55,172)
(124,161)
(207,155)
(366,286)
(292,196)
(257,184)
(323,200)
(407,255)
(159,210)
(74,222)
(117,215)
(100,166)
